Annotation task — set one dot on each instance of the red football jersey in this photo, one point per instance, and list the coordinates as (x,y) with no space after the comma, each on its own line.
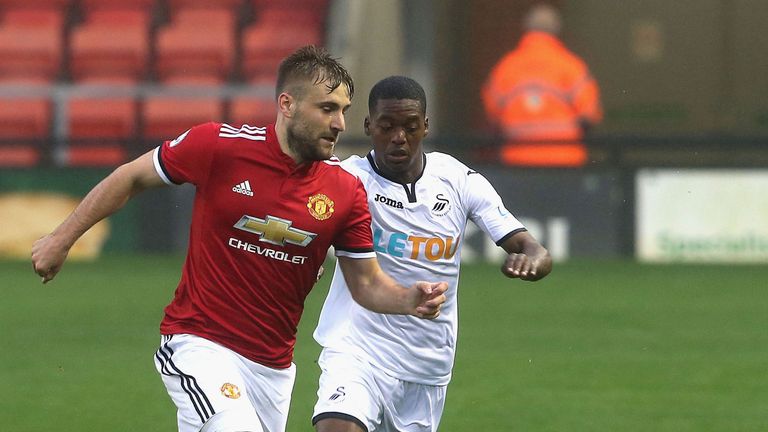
(261,227)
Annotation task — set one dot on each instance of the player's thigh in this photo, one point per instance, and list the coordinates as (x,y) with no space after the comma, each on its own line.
(269,392)
(202,379)
(330,424)
(414,407)
(347,396)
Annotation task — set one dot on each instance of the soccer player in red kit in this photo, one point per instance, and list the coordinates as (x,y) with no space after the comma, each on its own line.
(269,203)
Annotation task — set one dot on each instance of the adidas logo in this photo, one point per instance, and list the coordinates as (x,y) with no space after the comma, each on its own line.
(243,188)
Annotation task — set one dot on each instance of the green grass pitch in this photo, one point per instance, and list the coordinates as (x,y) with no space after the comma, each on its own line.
(597,346)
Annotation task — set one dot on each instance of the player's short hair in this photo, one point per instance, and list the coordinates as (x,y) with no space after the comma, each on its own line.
(313,64)
(397,87)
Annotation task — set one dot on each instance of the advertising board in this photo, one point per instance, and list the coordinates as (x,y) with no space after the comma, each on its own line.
(702,215)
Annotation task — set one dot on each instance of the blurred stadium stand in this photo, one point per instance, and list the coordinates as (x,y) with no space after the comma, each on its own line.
(98,82)
(89,84)
(299,23)
(109,49)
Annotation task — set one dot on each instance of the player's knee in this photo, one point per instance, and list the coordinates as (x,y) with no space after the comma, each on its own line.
(233,420)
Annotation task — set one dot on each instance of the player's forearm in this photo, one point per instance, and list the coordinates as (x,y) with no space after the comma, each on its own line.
(540,255)
(527,259)
(375,290)
(104,199)
(382,294)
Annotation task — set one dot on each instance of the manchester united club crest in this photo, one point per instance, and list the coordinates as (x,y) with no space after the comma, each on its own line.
(230,391)
(320,206)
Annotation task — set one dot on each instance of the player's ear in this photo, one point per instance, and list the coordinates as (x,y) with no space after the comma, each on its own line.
(286,103)
(426,126)
(367,126)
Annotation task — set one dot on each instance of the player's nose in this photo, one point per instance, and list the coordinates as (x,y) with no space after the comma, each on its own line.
(398,136)
(338,122)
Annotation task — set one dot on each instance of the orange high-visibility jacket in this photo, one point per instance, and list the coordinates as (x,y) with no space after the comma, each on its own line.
(541,92)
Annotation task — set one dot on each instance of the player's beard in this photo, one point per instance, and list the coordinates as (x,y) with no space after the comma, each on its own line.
(305,143)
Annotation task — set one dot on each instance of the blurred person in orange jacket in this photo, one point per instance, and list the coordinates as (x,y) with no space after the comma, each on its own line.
(541,97)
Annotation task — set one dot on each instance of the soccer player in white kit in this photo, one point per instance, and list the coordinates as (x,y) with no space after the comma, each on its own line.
(387,372)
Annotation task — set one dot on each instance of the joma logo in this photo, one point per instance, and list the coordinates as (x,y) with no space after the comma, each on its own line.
(388,201)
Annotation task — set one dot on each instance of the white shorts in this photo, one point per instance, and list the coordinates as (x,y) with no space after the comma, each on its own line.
(204,378)
(353,389)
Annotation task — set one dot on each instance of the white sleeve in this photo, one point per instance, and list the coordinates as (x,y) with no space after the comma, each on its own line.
(159,167)
(486,209)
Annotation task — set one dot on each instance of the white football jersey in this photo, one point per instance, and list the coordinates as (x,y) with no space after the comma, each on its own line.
(418,232)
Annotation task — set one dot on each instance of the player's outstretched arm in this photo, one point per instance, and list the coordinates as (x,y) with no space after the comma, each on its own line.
(50,252)
(527,260)
(375,290)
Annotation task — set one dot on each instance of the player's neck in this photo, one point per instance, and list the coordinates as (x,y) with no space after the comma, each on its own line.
(410,175)
(282,138)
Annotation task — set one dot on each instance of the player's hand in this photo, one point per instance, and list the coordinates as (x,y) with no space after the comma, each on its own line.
(521,266)
(48,255)
(431,298)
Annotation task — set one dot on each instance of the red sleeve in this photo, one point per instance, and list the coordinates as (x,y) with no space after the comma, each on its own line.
(357,237)
(187,159)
